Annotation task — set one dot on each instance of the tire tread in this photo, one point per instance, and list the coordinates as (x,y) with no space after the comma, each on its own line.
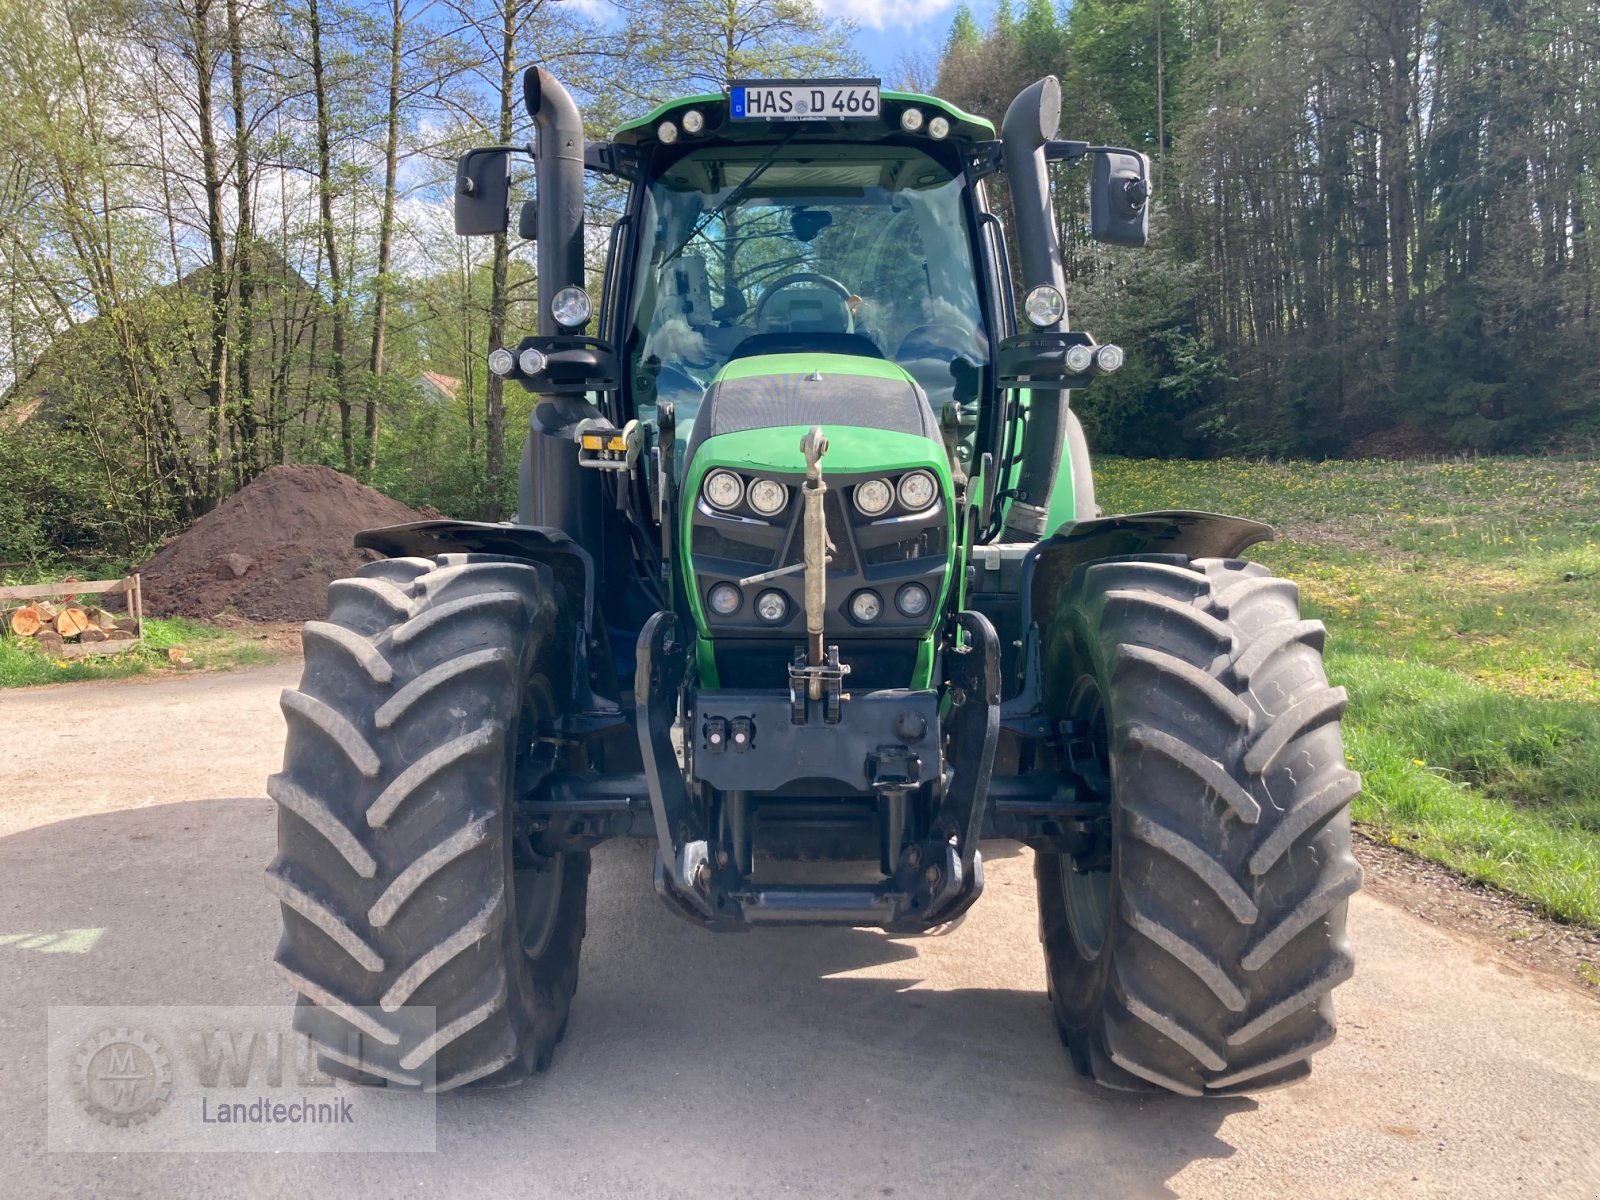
(1231,800)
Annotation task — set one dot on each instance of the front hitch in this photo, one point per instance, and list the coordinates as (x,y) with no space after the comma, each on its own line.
(816,674)
(814,445)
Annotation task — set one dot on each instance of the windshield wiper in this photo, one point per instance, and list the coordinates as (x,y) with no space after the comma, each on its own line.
(732,197)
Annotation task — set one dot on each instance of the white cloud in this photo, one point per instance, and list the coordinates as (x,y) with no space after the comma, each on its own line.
(597,10)
(886,14)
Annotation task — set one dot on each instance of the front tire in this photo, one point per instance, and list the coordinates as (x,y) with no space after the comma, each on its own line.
(1197,953)
(401,879)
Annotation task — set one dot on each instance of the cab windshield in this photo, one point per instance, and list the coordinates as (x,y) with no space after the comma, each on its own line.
(851,249)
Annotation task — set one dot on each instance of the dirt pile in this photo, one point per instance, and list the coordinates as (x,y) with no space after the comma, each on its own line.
(270,551)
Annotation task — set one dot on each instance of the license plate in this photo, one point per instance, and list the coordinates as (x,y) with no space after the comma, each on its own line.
(825,100)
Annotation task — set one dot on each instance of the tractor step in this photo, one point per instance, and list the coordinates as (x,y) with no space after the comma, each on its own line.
(814,904)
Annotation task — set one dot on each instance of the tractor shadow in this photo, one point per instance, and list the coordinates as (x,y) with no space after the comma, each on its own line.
(816,1062)
(860,1063)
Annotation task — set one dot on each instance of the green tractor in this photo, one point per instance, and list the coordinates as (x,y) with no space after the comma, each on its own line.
(808,568)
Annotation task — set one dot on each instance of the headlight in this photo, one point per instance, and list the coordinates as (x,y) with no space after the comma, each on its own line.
(667,132)
(767,497)
(917,490)
(938,129)
(693,121)
(570,307)
(866,607)
(911,120)
(724,489)
(873,497)
(912,600)
(1108,358)
(501,361)
(531,362)
(724,599)
(772,607)
(1044,306)
(1079,359)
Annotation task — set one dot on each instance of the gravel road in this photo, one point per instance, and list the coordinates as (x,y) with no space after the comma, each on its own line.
(804,1062)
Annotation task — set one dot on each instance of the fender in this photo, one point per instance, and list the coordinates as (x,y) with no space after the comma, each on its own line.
(567,561)
(1051,563)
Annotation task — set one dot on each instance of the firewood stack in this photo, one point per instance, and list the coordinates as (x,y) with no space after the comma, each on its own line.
(58,618)
(51,626)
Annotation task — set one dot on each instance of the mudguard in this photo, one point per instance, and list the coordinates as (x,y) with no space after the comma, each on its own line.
(1051,563)
(567,561)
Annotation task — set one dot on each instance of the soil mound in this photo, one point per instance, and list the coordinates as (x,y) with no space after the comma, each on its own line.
(270,551)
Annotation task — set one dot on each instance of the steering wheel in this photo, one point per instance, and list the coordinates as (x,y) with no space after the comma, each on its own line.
(812,277)
(942,340)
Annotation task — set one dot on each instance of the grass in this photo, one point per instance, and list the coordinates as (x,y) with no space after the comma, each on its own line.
(1463,608)
(21,665)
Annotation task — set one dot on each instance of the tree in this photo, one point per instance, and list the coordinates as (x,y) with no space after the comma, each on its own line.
(692,46)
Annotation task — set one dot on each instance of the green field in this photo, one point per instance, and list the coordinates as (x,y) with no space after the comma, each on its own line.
(1462,601)
(21,665)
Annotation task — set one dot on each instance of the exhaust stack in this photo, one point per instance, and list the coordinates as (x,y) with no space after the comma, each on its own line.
(565,496)
(1030,122)
(558,154)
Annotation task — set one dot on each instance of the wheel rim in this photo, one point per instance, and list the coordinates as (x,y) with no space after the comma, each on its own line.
(1087,893)
(536,886)
(539,903)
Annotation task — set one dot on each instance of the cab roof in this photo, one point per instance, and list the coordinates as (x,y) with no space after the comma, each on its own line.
(964,126)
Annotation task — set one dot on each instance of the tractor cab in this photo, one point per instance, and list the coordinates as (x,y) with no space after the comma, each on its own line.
(861,239)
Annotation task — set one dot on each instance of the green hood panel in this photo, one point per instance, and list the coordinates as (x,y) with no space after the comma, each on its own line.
(852,450)
(808,363)
(764,392)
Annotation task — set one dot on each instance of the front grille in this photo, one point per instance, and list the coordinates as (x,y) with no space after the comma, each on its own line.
(883,554)
(713,543)
(927,544)
(842,555)
(844,558)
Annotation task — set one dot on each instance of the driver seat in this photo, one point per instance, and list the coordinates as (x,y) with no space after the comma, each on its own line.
(805,310)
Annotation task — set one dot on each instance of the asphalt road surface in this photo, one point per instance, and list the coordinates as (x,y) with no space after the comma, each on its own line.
(793,1063)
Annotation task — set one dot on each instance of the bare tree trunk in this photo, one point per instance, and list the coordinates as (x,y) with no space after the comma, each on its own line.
(494,415)
(391,157)
(1161,97)
(247,451)
(211,176)
(330,240)
(1396,149)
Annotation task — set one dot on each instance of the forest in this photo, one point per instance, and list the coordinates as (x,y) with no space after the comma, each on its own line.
(225,235)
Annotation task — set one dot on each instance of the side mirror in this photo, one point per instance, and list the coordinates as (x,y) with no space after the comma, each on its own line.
(528,221)
(1119,198)
(483,191)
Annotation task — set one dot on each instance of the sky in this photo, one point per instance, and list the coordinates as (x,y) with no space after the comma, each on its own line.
(890,31)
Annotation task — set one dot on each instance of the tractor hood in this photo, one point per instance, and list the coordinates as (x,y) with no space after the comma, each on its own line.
(836,391)
(880,430)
